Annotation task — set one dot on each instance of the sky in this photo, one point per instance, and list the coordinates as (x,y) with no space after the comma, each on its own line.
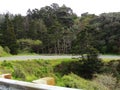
(78,6)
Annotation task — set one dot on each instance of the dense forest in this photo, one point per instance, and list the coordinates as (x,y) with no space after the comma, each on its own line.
(57,29)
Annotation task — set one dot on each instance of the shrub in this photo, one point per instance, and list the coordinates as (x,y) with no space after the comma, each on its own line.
(90,66)
(65,68)
(36,45)
(18,73)
(7,49)
(2,52)
(31,69)
(107,80)
(5,67)
(6,64)
(83,68)
(71,81)
(74,81)
(29,45)
(112,67)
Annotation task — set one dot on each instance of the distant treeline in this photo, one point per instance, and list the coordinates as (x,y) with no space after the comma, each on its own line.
(57,29)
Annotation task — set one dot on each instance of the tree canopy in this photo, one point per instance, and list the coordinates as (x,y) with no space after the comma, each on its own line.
(61,31)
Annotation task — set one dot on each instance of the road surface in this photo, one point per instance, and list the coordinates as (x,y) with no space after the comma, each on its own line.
(30,57)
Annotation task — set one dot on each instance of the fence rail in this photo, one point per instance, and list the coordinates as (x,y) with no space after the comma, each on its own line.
(7,84)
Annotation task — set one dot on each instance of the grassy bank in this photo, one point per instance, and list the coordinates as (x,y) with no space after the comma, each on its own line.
(3,52)
(31,69)
(34,69)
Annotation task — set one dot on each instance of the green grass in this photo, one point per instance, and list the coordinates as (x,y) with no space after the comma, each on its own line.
(3,53)
(108,59)
(26,70)
(55,62)
(30,70)
(24,54)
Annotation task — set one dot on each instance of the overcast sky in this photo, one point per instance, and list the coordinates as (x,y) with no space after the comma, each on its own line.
(78,6)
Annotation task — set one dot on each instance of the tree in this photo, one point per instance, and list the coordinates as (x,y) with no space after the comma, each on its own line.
(108,25)
(85,41)
(85,46)
(65,16)
(29,45)
(19,26)
(8,35)
(59,22)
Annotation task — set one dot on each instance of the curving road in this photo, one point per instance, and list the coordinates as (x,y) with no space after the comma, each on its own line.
(30,57)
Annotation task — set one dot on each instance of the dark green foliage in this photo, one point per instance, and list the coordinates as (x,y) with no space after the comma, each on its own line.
(85,46)
(90,67)
(85,42)
(62,31)
(64,15)
(109,37)
(68,67)
(59,22)
(112,67)
(8,35)
(20,26)
(83,68)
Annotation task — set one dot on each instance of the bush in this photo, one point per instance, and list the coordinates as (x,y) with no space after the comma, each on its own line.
(18,73)
(74,81)
(83,68)
(2,52)
(36,45)
(112,67)
(65,68)
(7,49)
(71,81)
(90,66)
(5,67)
(32,69)
(29,45)
(6,64)
(108,81)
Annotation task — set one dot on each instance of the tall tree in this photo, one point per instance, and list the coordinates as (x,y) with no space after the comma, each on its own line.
(85,46)
(19,26)
(8,35)
(85,42)
(108,24)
